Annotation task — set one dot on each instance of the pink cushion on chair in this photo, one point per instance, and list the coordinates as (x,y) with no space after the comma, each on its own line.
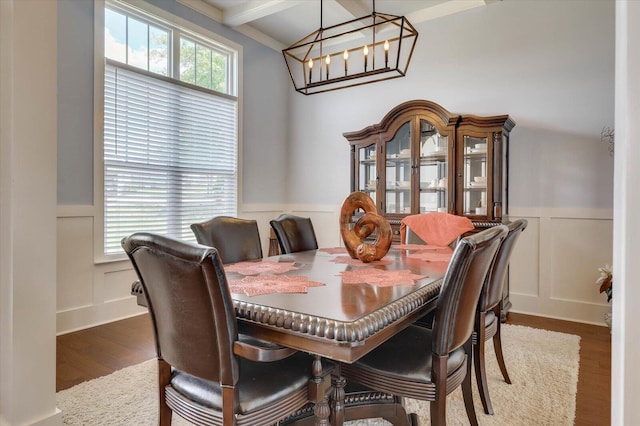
(438,229)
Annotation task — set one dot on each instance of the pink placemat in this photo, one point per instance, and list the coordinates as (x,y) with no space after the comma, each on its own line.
(359,263)
(267,284)
(420,247)
(380,277)
(333,250)
(430,256)
(255,268)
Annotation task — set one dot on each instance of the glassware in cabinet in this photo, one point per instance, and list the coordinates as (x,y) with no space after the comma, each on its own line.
(367,176)
(433,169)
(475,175)
(398,171)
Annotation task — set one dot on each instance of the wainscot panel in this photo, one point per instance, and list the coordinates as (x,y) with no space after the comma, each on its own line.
(553,269)
(570,245)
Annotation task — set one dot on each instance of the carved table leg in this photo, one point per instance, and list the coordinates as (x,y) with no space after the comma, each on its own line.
(318,393)
(337,400)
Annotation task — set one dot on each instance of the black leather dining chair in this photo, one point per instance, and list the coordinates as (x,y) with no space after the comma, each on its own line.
(206,374)
(235,239)
(294,233)
(427,364)
(487,323)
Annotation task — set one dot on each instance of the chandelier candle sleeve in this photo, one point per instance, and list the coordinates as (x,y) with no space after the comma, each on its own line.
(386,53)
(366,53)
(346,62)
(328,62)
(310,69)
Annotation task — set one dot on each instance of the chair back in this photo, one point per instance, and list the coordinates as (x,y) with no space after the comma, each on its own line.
(235,239)
(412,238)
(435,228)
(492,291)
(294,233)
(462,283)
(190,305)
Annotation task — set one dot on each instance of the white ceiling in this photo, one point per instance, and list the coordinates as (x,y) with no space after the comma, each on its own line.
(280,23)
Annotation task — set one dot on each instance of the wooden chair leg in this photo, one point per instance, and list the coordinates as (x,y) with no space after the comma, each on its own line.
(467,392)
(479,363)
(438,407)
(497,345)
(164,376)
(438,413)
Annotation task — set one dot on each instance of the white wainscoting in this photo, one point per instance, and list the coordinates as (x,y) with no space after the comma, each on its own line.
(553,268)
(88,293)
(555,264)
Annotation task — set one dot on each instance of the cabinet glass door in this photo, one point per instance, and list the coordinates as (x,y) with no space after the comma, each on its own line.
(398,171)
(434,165)
(475,176)
(367,176)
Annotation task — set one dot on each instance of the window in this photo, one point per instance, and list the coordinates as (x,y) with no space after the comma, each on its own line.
(170,128)
(202,66)
(136,42)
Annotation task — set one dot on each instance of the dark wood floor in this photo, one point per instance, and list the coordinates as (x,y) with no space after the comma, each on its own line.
(99,351)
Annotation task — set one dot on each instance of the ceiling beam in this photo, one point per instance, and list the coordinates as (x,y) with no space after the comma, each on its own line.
(444,9)
(246,12)
(357,8)
(260,37)
(204,8)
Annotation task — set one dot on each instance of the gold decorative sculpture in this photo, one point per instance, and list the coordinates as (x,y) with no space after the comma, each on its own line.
(353,237)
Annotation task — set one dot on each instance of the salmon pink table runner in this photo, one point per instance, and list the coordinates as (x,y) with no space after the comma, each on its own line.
(255,268)
(260,278)
(267,284)
(266,277)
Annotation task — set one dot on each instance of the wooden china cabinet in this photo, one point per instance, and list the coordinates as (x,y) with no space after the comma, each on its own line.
(422,158)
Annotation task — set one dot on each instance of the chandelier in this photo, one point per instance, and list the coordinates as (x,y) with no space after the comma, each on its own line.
(373,48)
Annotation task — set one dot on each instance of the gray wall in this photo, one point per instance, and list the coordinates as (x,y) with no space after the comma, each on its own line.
(265,98)
(549,64)
(75,102)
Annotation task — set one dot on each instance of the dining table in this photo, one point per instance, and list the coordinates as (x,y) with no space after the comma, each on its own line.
(334,307)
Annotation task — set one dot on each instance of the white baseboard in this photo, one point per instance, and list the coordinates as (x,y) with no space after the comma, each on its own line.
(98,314)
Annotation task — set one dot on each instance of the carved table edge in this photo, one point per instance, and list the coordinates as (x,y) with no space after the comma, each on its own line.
(339,331)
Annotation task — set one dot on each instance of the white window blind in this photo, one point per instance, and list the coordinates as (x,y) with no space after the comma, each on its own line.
(169,156)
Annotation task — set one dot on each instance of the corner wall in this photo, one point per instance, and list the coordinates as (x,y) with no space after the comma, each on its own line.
(625,372)
(28,121)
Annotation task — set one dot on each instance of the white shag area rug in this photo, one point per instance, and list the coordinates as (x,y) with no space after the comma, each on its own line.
(543,366)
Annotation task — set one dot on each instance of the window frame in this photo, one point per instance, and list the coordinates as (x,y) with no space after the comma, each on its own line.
(162,18)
